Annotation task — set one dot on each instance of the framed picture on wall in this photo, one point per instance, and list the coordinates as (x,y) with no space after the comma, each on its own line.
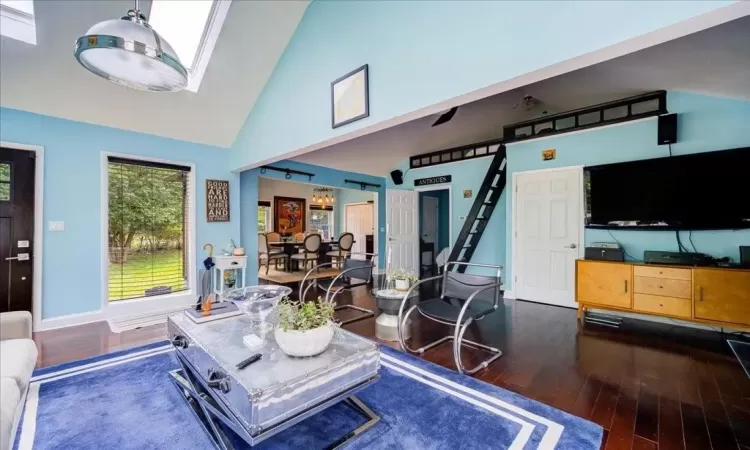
(289,215)
(350,98)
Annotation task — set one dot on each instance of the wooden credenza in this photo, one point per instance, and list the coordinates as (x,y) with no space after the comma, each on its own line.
(708,295)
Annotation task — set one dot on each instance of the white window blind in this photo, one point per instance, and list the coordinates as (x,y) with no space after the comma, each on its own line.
(148,228)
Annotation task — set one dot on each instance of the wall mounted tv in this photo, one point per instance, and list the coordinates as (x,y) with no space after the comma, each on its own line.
(704,191)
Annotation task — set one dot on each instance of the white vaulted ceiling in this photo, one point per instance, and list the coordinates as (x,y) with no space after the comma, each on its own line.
(46,78)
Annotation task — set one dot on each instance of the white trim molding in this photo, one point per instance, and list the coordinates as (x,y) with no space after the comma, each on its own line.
(36,309)
(156,304)
(441,187)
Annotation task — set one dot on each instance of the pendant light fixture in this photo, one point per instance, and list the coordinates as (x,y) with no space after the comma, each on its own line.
(129,52)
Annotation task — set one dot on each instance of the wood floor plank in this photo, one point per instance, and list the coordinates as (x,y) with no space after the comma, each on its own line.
(647,417)
(621,434)
(640,443)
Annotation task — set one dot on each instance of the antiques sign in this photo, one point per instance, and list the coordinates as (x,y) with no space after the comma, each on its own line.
(432,180)
(217,201)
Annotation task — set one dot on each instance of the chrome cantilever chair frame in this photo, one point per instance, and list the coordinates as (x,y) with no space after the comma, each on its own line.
(335,289)
(460,328)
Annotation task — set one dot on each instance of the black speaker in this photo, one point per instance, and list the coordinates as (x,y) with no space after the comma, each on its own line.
(745,255)
(667,129)
(397,176)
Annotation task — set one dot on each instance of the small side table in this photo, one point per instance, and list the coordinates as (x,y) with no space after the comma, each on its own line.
(386,325)
(223,264)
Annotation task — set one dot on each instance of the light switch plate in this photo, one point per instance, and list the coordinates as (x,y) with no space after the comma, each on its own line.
(55,225)
(23,244)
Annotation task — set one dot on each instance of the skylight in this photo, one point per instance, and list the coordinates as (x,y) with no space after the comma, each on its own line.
(191,27)
(17,20)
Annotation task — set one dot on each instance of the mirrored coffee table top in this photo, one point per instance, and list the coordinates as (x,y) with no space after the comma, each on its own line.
(222,339)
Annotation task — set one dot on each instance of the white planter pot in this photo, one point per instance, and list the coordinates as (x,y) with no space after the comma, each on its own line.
(402,285)
(304,343)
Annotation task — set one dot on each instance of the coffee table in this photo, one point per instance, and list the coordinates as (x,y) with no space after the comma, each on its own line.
(274,393)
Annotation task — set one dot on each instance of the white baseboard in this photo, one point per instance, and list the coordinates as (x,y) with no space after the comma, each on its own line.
(70,320)
(510,295)
(123,312)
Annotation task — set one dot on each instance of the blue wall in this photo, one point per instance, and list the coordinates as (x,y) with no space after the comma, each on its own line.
(704,124)
(349,196)
(323,176)
(443,217)
(72,280)
(424,52)
(467,175)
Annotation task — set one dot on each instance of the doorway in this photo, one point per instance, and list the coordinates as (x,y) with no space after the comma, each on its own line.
(434,226)
(359,222)
(548,234)
(17,192)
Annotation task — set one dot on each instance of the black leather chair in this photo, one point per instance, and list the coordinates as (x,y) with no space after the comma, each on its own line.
(354,273)
(463,300)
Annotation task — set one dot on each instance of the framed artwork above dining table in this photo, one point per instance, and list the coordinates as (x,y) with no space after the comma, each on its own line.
(289,215)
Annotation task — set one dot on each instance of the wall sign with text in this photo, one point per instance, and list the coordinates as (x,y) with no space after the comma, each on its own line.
(217,201)
(433,180)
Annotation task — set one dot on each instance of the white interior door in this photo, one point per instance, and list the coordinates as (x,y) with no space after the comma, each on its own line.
(359,223)
(548,232)
(403,230)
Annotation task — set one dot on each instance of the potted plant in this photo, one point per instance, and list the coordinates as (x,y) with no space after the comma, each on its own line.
(305,328)
(403,279)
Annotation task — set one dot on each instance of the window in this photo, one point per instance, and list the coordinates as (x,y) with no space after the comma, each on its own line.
(4,182)
(264,218)
(321,221)
(191,27)
(148,228)
(17,20)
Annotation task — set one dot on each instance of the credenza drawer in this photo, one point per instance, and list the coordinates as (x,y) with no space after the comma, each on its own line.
(662,272)
(657,304)
(666,287)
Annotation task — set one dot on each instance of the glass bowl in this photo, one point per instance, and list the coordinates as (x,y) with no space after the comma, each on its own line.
(257,302)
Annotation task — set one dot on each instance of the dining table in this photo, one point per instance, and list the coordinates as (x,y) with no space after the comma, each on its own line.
(290,247)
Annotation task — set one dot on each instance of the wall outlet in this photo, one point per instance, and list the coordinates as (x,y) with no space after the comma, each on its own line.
(56,225)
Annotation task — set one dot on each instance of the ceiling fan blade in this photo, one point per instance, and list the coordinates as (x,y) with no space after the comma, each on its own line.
(446,117)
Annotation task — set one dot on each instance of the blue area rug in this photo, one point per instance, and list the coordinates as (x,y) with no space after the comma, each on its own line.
(126,400)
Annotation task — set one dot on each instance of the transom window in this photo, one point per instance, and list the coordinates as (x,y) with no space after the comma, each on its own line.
(17,20)
(150,212)
(4,182)
(191,27)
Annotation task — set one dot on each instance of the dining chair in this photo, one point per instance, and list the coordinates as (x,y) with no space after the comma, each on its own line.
(266,254)
(273,236)
(345,243)
(310,247)
(464,299)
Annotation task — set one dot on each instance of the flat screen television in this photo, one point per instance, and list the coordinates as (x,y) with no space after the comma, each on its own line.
(704,191)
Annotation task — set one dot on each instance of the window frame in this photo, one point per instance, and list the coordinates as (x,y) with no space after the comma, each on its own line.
(8,182)
(269,224)
(331,221)
(174,299)
(209,36)
(18,24)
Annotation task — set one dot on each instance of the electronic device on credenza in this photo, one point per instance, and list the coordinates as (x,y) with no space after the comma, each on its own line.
(745,255)
(677,258)
(604,251)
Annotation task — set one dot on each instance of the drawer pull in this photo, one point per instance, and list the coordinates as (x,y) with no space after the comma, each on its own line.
(179,341)
(700,292)
(626,286)
(218,380)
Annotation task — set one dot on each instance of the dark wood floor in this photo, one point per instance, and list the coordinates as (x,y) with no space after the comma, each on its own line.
(650,386)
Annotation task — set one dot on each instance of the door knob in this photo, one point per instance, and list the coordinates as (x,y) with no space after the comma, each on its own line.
(571,246)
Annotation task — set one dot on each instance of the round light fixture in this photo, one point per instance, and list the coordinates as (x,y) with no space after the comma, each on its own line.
(129,52)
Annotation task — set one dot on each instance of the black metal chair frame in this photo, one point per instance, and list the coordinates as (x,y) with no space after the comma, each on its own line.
(460,326)
(342,252)
(333,288)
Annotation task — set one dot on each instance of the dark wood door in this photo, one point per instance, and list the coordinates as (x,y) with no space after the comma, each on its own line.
(16,229)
